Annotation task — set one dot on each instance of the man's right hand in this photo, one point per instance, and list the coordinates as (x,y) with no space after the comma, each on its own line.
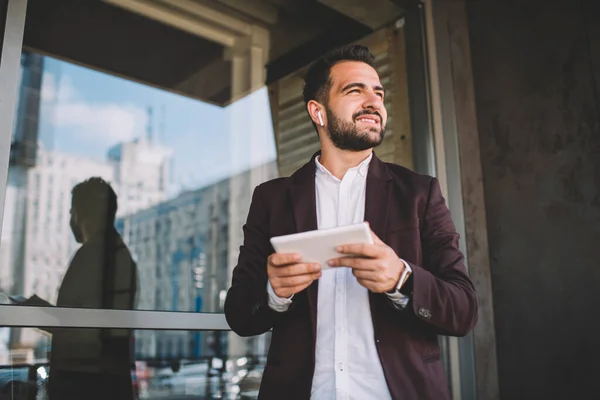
(289,276)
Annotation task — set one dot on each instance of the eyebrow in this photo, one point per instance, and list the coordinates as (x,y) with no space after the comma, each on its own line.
(362,86)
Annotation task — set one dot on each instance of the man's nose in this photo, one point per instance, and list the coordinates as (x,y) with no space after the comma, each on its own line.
(373,101)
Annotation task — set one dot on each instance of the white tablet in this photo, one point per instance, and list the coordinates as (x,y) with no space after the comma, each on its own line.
(319,246)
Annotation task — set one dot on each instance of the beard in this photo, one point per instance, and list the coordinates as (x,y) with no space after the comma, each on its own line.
(346,135)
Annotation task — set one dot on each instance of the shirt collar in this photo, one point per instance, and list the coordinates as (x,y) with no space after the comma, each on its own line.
(362,168)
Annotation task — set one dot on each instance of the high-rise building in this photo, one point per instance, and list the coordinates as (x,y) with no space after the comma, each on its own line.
(142,170)
(25,134)
(184,249)
(22,157)
(141,174)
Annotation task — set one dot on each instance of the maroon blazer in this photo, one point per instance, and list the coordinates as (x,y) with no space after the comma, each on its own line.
(407,211)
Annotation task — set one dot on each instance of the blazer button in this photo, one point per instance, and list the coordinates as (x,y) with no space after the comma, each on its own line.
(424,312)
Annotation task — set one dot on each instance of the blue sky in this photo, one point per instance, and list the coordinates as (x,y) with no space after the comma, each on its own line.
(85,112)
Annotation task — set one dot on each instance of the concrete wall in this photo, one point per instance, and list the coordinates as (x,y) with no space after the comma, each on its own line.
(536,70)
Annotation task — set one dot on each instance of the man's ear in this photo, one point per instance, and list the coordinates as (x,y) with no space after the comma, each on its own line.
(316,112)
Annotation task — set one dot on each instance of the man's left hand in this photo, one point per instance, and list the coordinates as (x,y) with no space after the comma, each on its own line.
(376,266)
(36,301)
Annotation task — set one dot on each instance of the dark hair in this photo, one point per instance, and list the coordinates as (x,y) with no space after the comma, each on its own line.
(317,80)
(95,198)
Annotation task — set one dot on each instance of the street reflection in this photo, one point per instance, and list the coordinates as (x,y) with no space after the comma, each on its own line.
(234,378)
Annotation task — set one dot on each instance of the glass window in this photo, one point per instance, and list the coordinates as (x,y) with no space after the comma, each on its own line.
(122,364)
(164,156)
(178,142)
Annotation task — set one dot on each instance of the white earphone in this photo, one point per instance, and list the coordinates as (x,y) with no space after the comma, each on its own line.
(320,118)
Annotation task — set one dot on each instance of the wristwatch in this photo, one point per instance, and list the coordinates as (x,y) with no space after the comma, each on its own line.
(403,278)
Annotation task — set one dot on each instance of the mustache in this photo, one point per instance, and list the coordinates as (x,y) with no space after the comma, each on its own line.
(367,112)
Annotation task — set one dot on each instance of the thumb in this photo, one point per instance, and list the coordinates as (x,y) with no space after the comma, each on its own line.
(376,239)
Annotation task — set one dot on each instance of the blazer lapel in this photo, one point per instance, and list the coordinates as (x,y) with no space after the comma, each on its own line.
(377,201)
(377,197)
(305,213)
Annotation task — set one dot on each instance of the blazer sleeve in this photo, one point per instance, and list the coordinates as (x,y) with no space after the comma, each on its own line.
(246,306)
(442,295)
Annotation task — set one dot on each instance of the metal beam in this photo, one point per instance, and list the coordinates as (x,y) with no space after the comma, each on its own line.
(48,317)
(10,62)
(418,86)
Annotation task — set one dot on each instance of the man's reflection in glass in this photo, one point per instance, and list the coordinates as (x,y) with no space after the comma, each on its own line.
(94,363)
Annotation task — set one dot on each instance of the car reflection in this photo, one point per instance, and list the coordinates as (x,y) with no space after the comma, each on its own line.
(237,378)
(232,379)
(193,379)
(250,383)
(23,381)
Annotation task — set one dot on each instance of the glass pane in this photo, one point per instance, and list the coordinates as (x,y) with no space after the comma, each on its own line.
(122,195)
(119,364)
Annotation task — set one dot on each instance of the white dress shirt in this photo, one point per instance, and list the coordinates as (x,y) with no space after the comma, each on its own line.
(347,365)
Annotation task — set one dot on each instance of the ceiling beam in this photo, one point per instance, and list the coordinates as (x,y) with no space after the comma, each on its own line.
(208,81)
(259,10)
(288,5)
(374,14)
(210,14)
(179,19)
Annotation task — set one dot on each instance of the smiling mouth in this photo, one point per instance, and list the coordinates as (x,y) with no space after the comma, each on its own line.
(368,120)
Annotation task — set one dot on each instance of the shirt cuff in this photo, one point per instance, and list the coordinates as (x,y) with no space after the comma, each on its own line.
(400,300)
(276,303)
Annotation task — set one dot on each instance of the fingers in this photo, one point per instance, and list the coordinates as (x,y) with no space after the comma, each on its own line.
(287,292)
(366,275)
(363,250)
(300,288)
(279,260)
(288,276)
(354,263)
(297,270)
(376,239)
(293,281)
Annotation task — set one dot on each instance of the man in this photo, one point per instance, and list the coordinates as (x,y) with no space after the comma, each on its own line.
(94,363)
(366,328)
